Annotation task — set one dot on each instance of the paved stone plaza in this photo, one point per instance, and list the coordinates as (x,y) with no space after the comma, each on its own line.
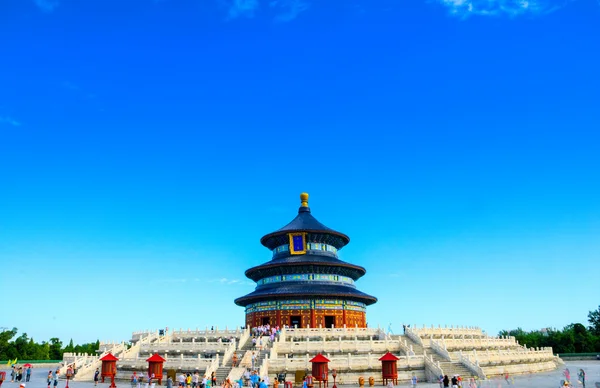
(541,380)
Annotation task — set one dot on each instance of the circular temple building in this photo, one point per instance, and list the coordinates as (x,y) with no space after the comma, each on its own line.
(305,284)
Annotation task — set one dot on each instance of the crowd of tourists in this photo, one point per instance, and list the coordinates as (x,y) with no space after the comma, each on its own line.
(16,373)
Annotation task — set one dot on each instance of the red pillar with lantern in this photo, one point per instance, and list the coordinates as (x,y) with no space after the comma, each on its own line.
(320,369)
(109,368)
(155,367)
(389,368)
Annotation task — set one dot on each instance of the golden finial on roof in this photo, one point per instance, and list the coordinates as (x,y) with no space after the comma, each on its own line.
(304,199)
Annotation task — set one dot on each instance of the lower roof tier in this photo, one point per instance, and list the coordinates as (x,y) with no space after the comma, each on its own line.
(304,290)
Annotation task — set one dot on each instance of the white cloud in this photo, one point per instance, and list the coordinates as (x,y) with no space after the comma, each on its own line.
(466,8)
(47,5)
(242,8)
(288,9)
(10,121)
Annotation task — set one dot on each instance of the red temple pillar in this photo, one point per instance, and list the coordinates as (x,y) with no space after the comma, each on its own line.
(313,319)
(344,317)
(278,318)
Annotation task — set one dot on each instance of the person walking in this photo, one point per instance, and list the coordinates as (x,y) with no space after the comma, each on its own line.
(446,381)
(49,377)
(28,374)
(413,381)
(581,376)
(96,378)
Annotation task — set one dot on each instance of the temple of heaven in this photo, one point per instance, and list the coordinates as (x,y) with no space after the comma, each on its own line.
(305,284)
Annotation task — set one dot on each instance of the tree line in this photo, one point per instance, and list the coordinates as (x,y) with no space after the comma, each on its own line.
(573,338)
(25,348)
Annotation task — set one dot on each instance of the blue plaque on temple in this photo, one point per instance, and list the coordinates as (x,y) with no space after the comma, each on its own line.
(297,243)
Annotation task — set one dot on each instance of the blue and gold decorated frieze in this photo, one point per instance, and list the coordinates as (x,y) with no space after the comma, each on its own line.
(306,277)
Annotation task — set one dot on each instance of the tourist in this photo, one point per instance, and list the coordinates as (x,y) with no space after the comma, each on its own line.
(213,379)
(459,381)
(204,382)
(55,377)
(581,376)
(446,381)
(96,377)
(20,374)
(182,380)
(152,380)
(454,382)
(234,360)
(134,379)
(195,379)
(441,381)
(169,382)
(28,374)
(13,373)
(413,381)
(262,384)
(253,360)
(140,381)
(188,380)
(50,378)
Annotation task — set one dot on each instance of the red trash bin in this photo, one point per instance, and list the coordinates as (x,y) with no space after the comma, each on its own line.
(288,384)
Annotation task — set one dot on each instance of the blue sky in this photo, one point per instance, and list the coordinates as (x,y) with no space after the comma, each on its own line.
(146,146)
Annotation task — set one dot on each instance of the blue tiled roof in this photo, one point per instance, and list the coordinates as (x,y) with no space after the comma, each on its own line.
(306,289)
(304,222)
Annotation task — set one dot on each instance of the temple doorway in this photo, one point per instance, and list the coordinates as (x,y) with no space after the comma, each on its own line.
(265,321)
(296,321)
(329,321)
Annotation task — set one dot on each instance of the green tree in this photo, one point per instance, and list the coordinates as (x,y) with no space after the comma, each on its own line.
(594,320)
(55,349)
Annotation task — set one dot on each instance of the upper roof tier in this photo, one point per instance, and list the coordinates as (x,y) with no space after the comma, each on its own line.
(304,222)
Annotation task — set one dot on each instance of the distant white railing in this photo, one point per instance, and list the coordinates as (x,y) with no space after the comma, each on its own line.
(446,331)
(485,358)
(340,346)
(479,343)
(328,333)
(211,333)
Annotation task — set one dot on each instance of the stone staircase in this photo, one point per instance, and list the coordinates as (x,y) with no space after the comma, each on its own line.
(450,368)
(224,370)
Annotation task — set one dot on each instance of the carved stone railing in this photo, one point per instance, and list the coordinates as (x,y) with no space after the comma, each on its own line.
(229,352)
(446,331)
(264,367)
(214,333)
(413,336)
(479,343)
(244,338)
(213,366)
(473,366)
(440,349)
(330,333)
(343,363)
(433,369)
(497,357)
(339,346)
(171,362)
(186,346)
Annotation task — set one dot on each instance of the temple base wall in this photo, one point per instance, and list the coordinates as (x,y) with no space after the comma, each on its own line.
(308,318)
